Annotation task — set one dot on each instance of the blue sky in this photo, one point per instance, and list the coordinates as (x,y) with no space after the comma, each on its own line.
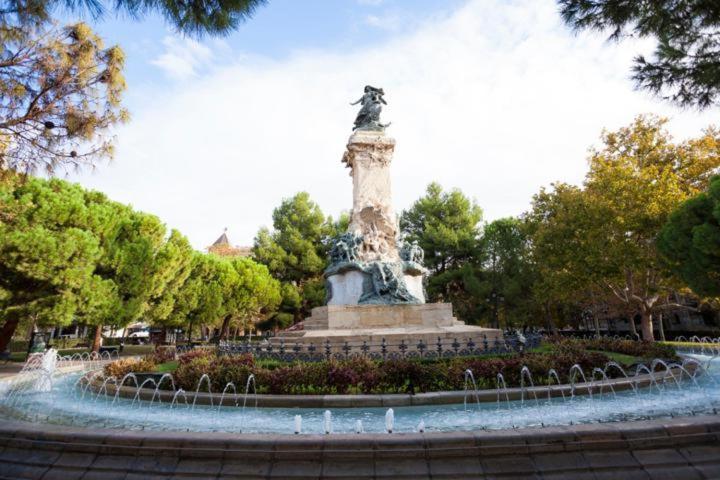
(494,97)
(277,30)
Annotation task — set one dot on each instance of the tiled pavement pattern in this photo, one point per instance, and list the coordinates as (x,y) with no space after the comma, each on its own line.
(681,448)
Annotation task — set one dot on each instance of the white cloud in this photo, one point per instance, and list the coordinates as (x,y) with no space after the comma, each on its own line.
(497,99)
(183,57)
(372,3)
(389,21)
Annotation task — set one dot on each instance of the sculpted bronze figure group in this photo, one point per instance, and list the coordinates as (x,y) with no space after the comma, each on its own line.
(368,118)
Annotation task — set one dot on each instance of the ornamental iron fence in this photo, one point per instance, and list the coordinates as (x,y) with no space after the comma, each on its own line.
(309,352)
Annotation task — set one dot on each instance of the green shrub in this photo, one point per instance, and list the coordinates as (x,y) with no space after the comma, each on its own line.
(164,353)
(122,367)
(362,375)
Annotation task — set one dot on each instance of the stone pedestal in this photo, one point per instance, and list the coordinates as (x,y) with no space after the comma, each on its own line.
(348,317)
(367,264)
(350,284)
(394,324)
(368,157)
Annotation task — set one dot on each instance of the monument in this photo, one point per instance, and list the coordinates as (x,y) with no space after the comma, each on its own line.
(375,280)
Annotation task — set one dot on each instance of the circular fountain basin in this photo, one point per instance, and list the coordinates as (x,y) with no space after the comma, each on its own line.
(71,432)
(66,404)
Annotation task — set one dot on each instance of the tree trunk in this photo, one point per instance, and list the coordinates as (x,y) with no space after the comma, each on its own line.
(647,326)
(633,330)
(596,324)
(7,331)
(661,327)
(98,339)
(549,323)
(225,329)
(189,333)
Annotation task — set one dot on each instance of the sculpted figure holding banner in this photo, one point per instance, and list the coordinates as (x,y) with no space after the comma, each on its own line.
(368,118)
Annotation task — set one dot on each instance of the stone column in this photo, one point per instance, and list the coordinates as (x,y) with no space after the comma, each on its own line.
(368,156)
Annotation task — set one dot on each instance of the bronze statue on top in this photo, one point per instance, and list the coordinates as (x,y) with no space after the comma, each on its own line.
(368,118)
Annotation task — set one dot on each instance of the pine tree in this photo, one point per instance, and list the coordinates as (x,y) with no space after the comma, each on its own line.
(685,67)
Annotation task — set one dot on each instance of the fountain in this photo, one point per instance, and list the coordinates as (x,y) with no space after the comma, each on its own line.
(327,422)
(298,424)
(375,292)
(389,420)
(82,397)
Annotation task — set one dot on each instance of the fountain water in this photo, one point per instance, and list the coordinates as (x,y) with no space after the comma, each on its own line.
(604,380)
(204,378)
(122,383)
(327,422)
(389,420)
(88,398)
(574,371)
(500,381)
(469,377)
(553,374)
(525,373)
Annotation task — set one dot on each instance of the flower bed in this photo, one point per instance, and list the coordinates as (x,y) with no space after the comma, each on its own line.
(362,375)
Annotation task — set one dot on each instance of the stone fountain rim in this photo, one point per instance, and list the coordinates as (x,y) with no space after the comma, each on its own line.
(102,436)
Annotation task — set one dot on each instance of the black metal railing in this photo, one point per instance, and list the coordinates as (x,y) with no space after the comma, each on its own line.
(280,350)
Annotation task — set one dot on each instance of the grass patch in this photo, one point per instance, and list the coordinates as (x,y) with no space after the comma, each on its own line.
(18,356)
(620,358)
(167,367)
(545,347)
(691,344)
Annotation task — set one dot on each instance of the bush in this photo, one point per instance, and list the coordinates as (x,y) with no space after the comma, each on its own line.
(120,368)
(193,354)
(362,375)
(221,370)
(163,354)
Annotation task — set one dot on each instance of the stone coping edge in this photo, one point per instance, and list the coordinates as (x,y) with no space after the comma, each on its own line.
(595,435)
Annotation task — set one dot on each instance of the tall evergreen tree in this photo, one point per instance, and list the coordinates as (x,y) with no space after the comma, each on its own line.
(507,272)
(72,254)
(296,253)
(447,227)
(690,241)
(685,67)
(193,17)
(61,92)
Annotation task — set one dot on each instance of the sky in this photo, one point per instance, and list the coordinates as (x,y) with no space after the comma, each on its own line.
(494,97)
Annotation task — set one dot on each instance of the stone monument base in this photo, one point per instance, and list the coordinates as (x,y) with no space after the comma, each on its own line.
(410,324)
